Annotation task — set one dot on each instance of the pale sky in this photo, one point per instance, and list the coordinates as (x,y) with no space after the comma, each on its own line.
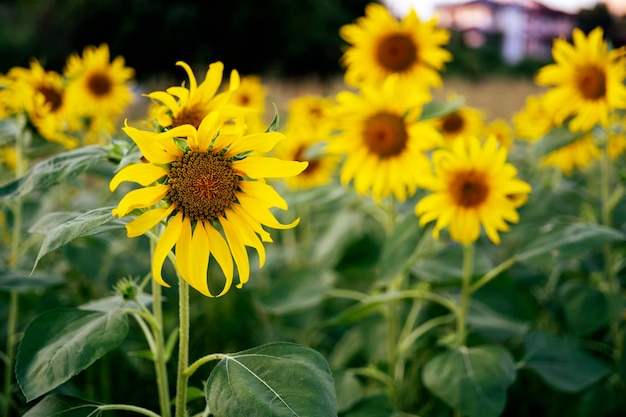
(425,8)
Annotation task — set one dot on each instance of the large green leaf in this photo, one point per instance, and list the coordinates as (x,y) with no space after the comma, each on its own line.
(58,344)
(24,281)
(472,380)
(555,139)
(62,228)
(57,405)
(273,380)
(296,290)
(560,363)
(565,240)
(493,325)
(55,170)
(586,309)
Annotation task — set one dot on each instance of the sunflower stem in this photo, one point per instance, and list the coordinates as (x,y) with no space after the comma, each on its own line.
(14,261)
(125,407)
(183,347)
(466,293)
(159,354)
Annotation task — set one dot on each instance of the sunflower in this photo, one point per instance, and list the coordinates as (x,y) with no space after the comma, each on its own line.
(534,120)
(181,105)
(502,130)
(383,139)
(578,154)
(472,185)
(312,112)
(43,96)
(251,96)
(380,46)
(587,80)
(211,193)
(99,86)
(304,144)
(464,121)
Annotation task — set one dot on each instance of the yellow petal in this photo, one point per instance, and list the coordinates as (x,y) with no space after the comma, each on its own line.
(183,131)
(140,198)
(147,221)
(262,214)
(263,167)
(166,99)
(143,174)
(264,192)
(160,151)
(183,251)
(237,248)
(164,246)
(222,255)
(193,84)
(253,224)
(248,237)
(260,142)
(200,255)
(209,127)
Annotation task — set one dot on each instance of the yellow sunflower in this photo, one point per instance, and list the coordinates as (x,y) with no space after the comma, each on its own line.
(380,46)
(587,80)
(251,96)
(312,112)
(472,185)
(181,105)
(534,120)
(464,121)
(43,96)
(578,154)
(210,191)
(97,85)
(304,144)
(502,130)
(383,139)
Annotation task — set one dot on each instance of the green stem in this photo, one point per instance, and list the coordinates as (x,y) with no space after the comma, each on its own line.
(461,321)
(14,261)
(205,359)
(160,359)
(125,407)
(492,274)
(183,348)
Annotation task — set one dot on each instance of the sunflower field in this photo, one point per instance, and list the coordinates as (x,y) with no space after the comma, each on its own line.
(197,250)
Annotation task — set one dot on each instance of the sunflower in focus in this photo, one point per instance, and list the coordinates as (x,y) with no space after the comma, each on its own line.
(99,86)
(380,46)
(587,80)
(251,96)
(578,154)
(472,186)
(464,121)
(304,144)
(208,186)
(182,105)
(383,139)
(43,96)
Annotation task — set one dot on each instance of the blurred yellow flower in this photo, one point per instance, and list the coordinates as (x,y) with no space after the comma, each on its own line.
(587,80)
(97,85)
(502,130)
(210,191)
(251,96)
(534,120)
(464,121)
(578,154)
(383,139)
(380,46)
(182,105)
(472,185)
(312,112)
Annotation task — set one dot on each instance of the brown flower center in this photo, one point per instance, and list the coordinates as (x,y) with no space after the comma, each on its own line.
(314,163)
(202,185)
(385,134)
(188,116)
(592,83)
(452,123)
(469,188)
(99,84)
(397,52)
(52,96)
(244,100)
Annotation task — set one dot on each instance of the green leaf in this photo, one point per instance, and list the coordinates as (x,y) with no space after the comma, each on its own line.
(57,405)
(349,390)
(560,363)
(62,228)
(24,281)
(492,324)
(115,302)
(586,309)
(296,290)
(55,170)
(61,343)
(565,240)
(472,380)
(435,110)
(273,380)
(555,139)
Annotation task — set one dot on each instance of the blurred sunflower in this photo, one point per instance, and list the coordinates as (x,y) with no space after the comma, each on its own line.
(312,112)
(472,185)
(97,85)
(43,96)
(502,130)
(587,80)
(212,193)
(464,121)
(304,144)
(578,154)
(251,96)
(383,139)
(380,46)
(534,120)
(181,105)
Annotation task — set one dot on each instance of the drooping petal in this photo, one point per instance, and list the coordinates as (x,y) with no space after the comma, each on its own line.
(169,101)
(147,221)
(237,248)
(248,237)
(219,249)
(264,167)
(262,214)
(264,192)
(140,198)
(164,246)
(142,174)
(200,251)
(183,250)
